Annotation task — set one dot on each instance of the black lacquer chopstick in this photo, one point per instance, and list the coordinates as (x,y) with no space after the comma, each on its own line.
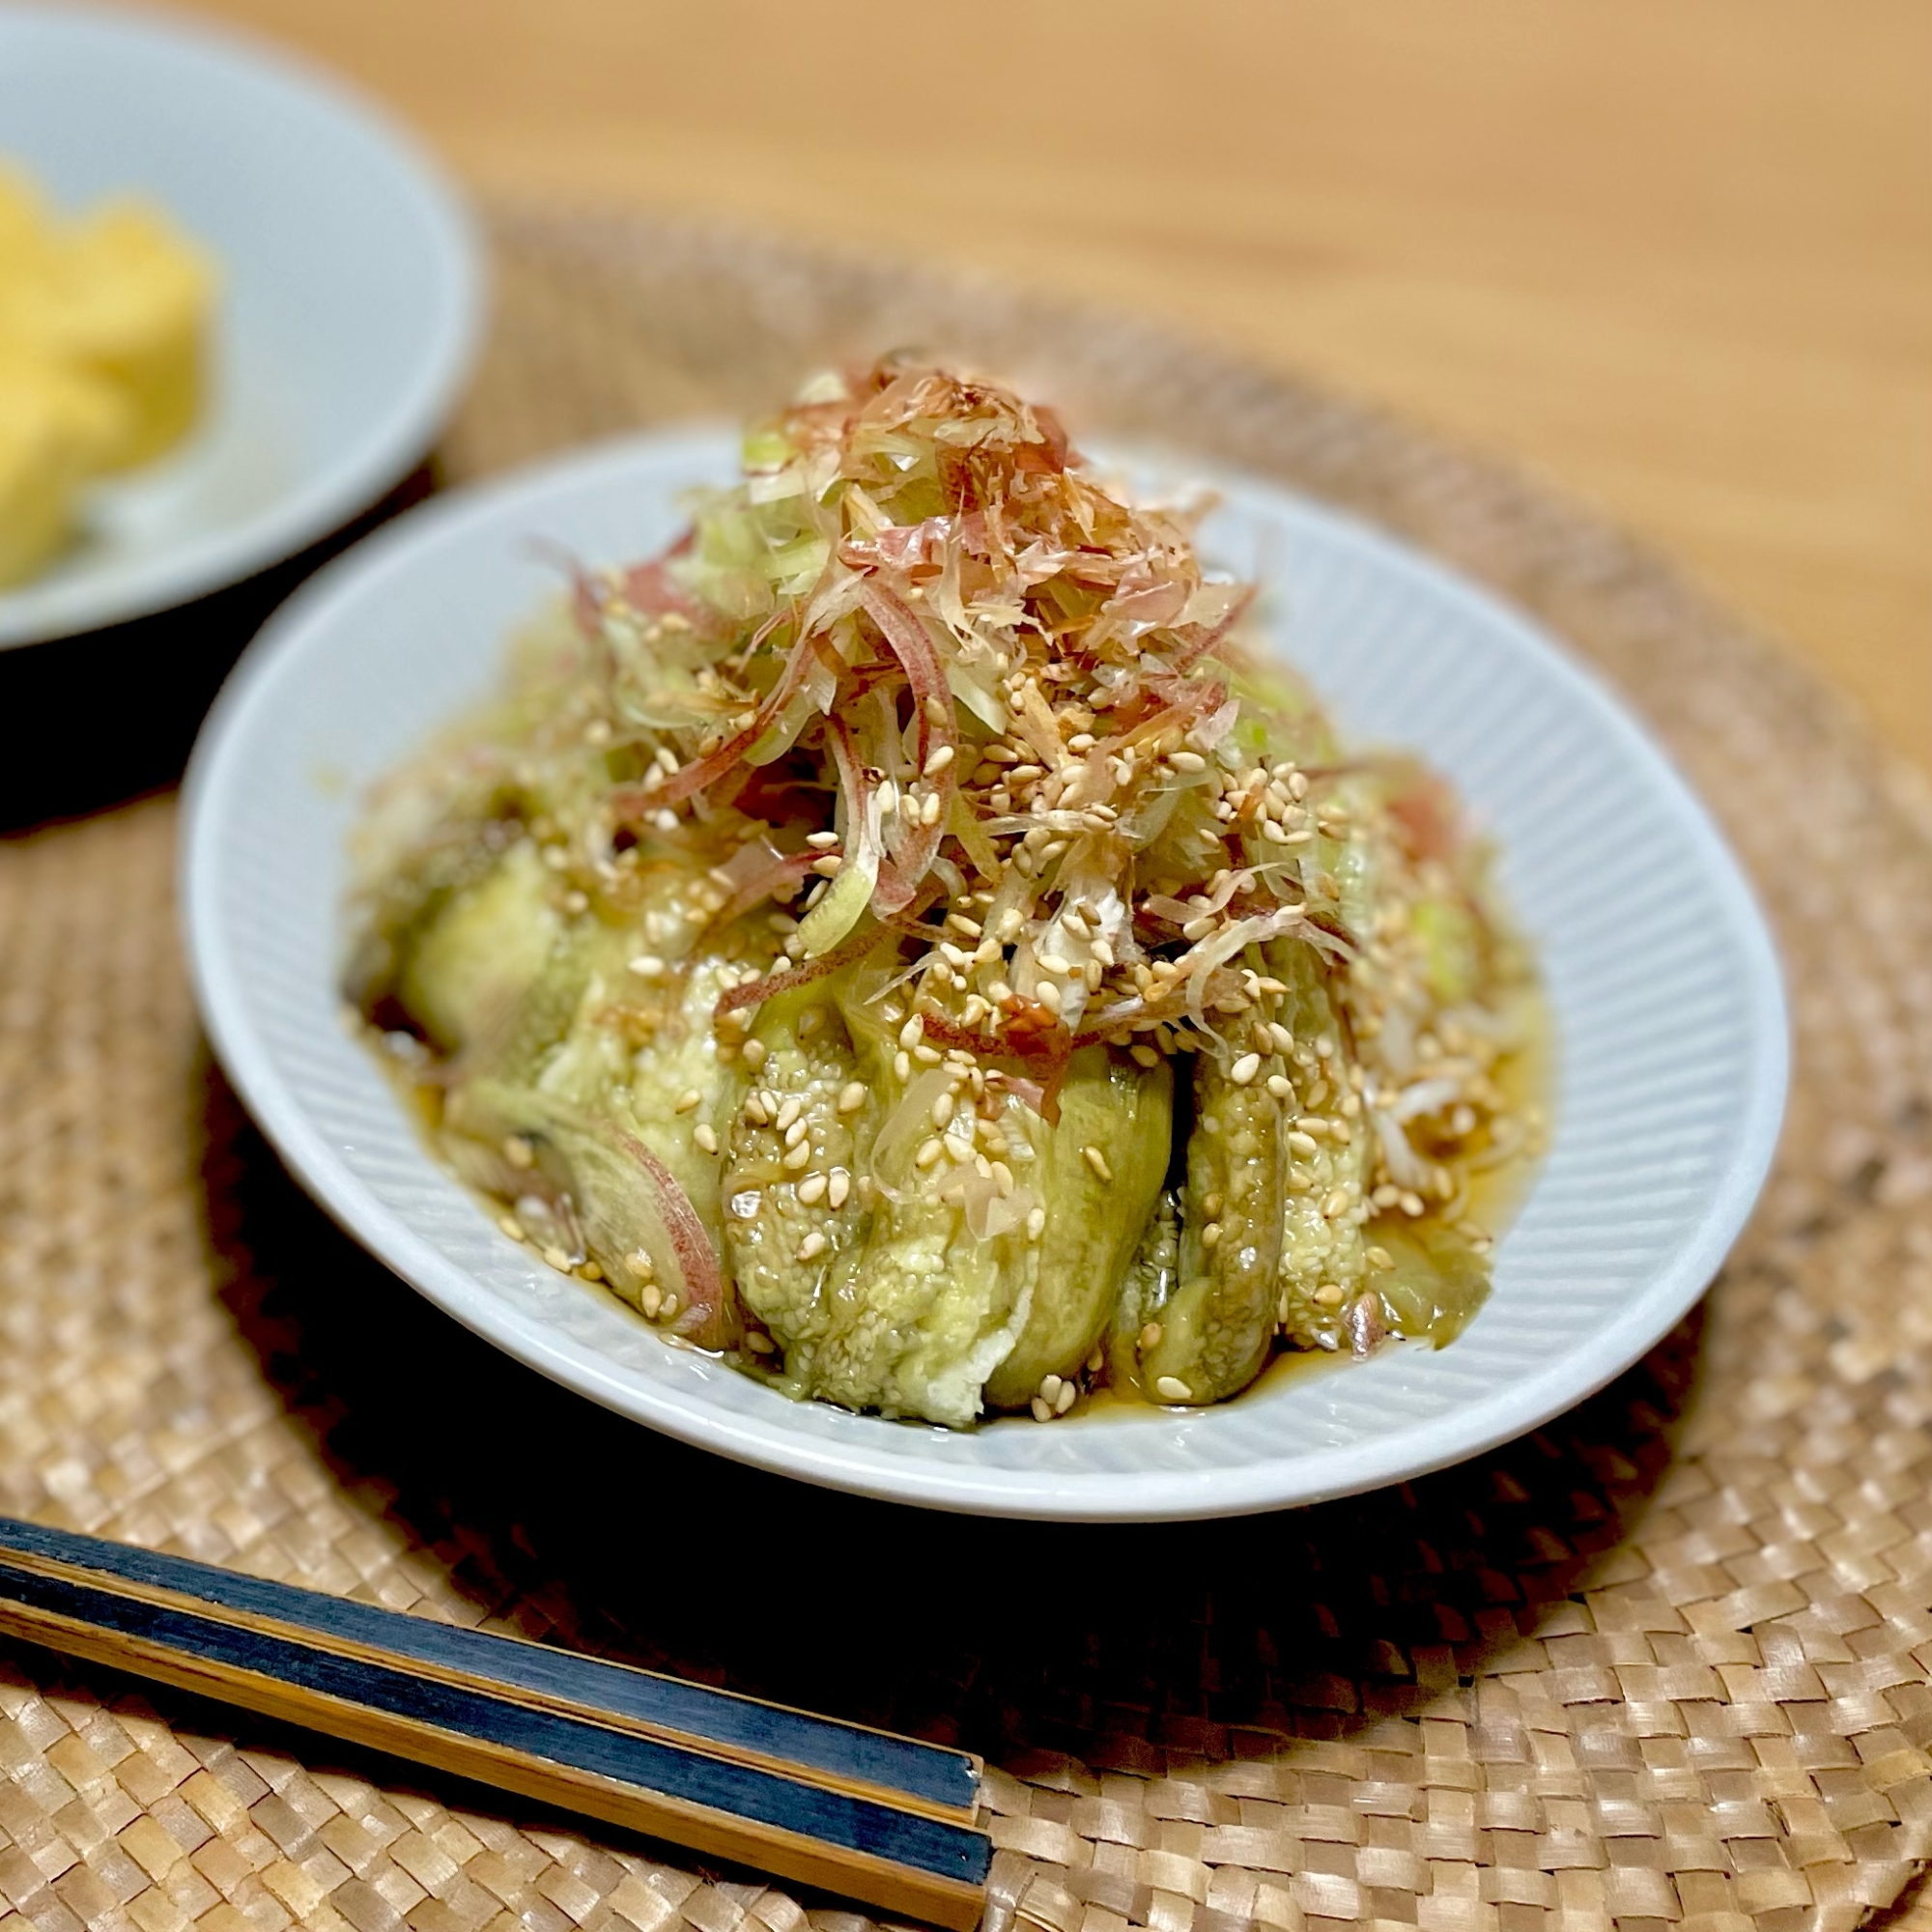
(886,1819)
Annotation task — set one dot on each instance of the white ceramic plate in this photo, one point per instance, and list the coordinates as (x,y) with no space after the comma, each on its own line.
(350,309)
(1666,992)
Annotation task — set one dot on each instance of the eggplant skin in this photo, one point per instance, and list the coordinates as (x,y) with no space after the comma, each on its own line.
(1093,1227)
(1213,1336)
(1152,1278)
(789,1249)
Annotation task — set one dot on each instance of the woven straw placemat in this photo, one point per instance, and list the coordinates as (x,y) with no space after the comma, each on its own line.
(1667,1661)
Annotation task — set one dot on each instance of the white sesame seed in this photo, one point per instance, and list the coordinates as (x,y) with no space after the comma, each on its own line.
(912,1032)
(1055,962)
(1035,1224)
(756,1111)
(1279,1086)
(705,1137)
(1187,762)
(1144,1056)
(1210,1236)
(653,1301)
(557,1258)
(796,1132)
(1302,1142)
(688,1099)
(827,867)
(1335,1205)
(851,1097)
(1039,1411)
(1049,1390)
(939,760)
(902,1064)
(840,1186)
(812,1188)
(1047,992)
(788,1112)
(930,1149)
(754,1053)
(813,1247)
(519,1152)
(1098,1161)
(821,842)
(1171,1388)
(512,1227)
(1068,1393)
(798,1157)
(1245,1069)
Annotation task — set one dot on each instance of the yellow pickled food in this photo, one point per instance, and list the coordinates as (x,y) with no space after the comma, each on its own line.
(103,329)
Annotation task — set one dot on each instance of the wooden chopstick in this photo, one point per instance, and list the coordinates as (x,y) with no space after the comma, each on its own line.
(886,1819)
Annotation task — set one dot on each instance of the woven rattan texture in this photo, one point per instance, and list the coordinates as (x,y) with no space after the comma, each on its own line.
(1665,1663)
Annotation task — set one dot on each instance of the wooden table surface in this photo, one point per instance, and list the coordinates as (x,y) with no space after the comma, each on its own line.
(1676,255)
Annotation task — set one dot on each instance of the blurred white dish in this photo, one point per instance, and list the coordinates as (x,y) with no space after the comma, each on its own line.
(351,303)
(1665,994)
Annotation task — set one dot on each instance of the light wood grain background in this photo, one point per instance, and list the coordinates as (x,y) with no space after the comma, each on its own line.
(1674,254)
